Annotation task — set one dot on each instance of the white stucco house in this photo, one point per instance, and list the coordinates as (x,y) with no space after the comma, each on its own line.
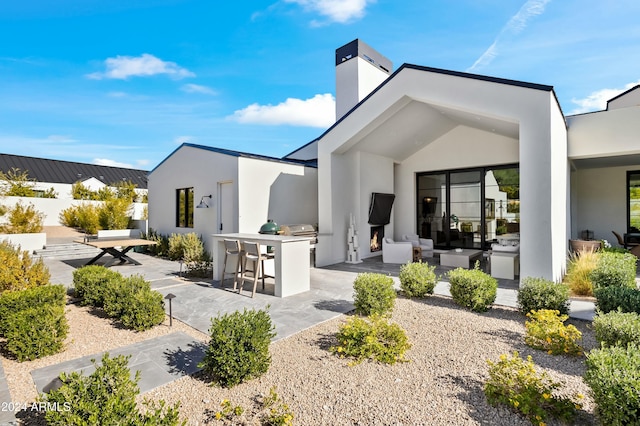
(466,156)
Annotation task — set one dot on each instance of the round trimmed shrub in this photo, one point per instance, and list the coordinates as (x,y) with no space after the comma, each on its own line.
(90,283)
(615,269)
(617,328)
(537,293)
(613,298)
(472,288)
(239,347)
(373,294)
(613,374)
(417,279)
(36,332)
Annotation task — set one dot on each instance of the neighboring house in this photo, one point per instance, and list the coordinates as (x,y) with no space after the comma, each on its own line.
(467,157)
(240,191)
(61,175)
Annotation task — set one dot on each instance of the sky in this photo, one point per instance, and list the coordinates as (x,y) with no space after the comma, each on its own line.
(125,82)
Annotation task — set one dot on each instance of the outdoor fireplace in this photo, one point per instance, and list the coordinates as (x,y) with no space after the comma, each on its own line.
(377,234)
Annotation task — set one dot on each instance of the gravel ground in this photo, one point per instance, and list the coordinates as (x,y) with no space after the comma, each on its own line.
(441,385)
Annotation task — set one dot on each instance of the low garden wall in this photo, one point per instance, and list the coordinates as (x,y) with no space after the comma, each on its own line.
(29,242)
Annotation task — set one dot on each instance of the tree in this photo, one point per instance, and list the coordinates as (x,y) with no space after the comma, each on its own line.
(16,183)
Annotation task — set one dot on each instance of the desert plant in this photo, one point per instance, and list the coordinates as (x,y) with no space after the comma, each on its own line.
(190,249)
(268,410)
(417,279)
(15,301)
(617,328)
(579,268)
(239,347)
(538,293)
(516,384)
(18,271)
(35,332)
(17,183)
(613,298)
(106,397)
(114,213)
(84,216)
(473,289)
(22,220)
(90,283)
(125,190)
(615,269)
(162,246)
(81,192)
(373,337)
(545,330)
(278,413)
(613,374)
(373,294)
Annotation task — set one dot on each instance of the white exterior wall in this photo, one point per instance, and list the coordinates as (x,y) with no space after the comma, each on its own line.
(542,142)
(52,207)
(285,193)
(628,100)
(600,201)
(185,168)
(604,134)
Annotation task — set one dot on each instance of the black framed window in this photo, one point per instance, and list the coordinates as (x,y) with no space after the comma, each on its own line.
(184,208)
(633,201)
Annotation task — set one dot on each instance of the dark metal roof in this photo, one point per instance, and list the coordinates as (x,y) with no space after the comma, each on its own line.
(57,171)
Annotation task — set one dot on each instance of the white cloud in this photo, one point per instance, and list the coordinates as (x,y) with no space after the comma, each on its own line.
(123,67)
(111,163)
(514,26)
(597,101)
(318,111)
(196,88)
(341,11)
(60,139)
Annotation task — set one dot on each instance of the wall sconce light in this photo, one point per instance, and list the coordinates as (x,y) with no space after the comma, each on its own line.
(203,204)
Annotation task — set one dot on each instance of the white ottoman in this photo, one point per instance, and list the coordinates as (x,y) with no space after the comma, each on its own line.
(505,265)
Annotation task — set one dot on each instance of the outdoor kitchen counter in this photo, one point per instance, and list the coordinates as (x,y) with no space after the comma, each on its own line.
(291,259)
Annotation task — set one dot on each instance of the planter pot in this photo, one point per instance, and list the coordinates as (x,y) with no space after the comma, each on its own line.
(579,246)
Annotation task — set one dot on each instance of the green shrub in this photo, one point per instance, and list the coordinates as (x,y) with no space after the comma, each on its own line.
(160,249)
(613,298)
(35,332)
(239,347)
(190,249)
(373,294)
(417,279)
(114,213)
(69,217)
(620,250)
(269,411)
(106,397)
(617,328)
(23,220)
(580,265)
(11,302)
(278,413)
(473,289)
(613,374)
(615,269)
(538,293)
(18,271)
(84,216)
(132,301)
(516,384)
(373,337)
(546,331)
(90,283)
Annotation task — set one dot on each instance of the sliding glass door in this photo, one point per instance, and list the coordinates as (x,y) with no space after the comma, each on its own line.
(468,208)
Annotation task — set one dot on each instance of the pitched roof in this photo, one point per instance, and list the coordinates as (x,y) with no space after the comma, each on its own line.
(57,171)
(232,153)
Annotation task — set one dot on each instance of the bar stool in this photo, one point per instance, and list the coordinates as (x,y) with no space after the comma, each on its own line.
(232,248)
(253,254)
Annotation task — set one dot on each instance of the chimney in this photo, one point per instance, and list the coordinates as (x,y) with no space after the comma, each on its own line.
(359,70)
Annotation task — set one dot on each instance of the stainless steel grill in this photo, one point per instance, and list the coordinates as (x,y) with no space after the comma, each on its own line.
(300,231)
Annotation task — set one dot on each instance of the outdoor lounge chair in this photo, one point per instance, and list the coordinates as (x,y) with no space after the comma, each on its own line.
(425,244)
(396,251)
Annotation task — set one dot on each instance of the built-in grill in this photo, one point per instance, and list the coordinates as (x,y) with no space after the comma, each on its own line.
(300,231)
(303,231)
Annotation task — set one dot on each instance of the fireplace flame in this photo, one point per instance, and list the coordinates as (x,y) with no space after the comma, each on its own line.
(375,244)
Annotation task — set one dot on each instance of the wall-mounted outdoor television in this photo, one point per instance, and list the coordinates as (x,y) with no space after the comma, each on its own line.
(380,208)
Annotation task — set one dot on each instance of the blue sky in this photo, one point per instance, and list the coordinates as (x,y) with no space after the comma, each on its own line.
(124,82)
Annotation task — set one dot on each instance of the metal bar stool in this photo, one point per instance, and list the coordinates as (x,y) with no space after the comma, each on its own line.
(253,254)
(232,248)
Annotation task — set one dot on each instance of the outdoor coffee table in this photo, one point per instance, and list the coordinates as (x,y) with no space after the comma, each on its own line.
(460,259)
(417,254)
(110,246)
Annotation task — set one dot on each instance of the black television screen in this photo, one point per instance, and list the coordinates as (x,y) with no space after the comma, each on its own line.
(380,208)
